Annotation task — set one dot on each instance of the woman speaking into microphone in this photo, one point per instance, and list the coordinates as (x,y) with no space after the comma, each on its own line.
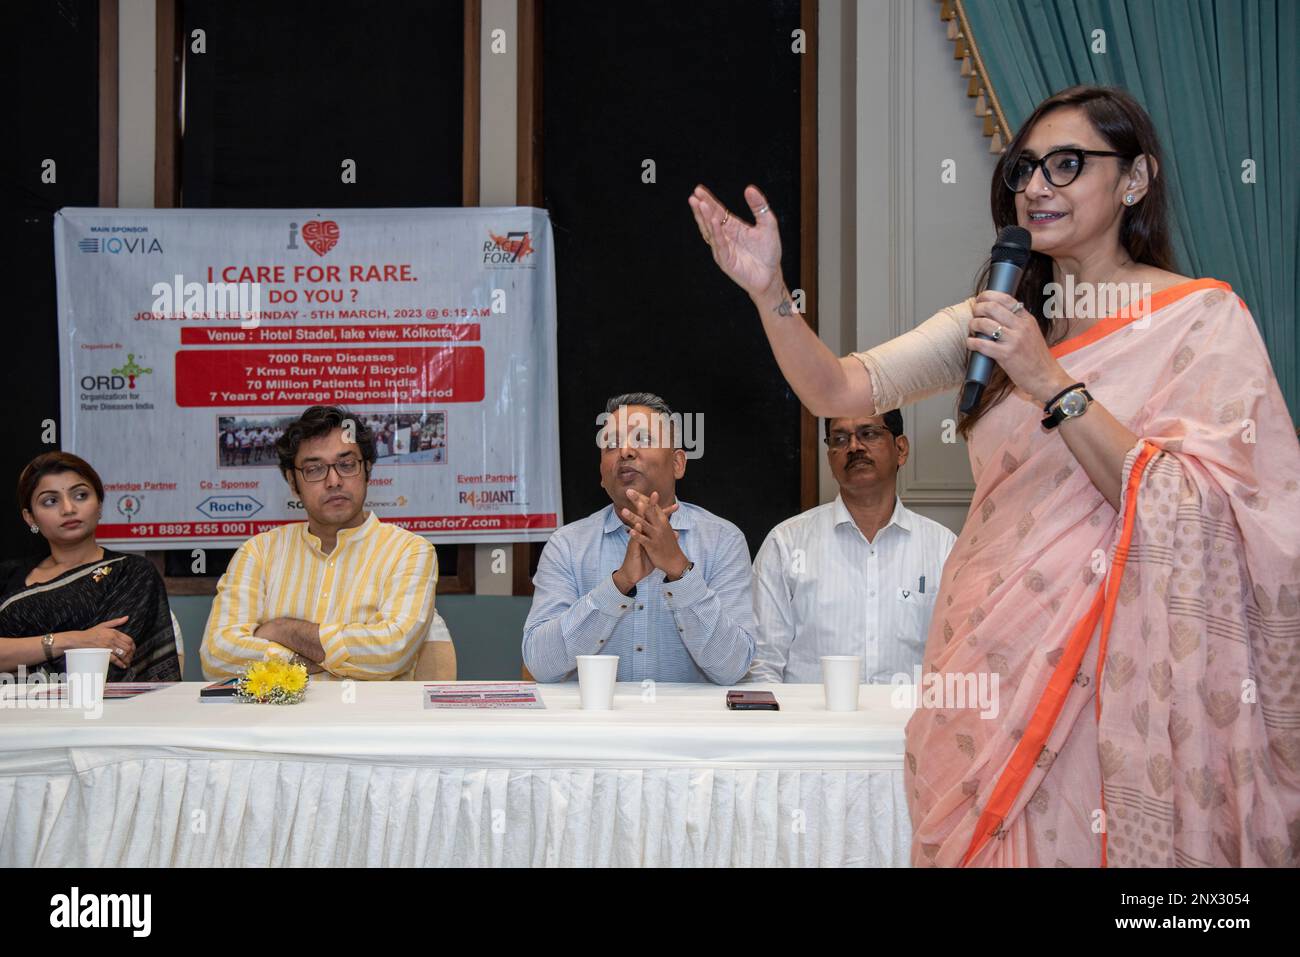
(1128,576)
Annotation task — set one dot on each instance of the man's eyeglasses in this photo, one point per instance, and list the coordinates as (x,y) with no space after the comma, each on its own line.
(1060,167)
(866,435)
(317,471)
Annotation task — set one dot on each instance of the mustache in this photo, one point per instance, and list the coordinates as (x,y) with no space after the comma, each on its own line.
(857,457)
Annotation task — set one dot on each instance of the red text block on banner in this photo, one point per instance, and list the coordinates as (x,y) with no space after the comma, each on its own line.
(315,335)
(352,375)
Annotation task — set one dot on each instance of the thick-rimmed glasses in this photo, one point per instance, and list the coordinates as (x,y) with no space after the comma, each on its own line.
(1060,167)
(317,471)
(838,441)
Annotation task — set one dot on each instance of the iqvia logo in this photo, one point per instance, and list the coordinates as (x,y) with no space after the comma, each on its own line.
(229,506)
(121,245)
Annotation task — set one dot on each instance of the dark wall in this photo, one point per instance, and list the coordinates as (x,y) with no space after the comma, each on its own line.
(288,90)
(710,92)
(58,118)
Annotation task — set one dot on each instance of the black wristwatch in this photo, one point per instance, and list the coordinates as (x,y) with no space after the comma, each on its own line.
(1066,404)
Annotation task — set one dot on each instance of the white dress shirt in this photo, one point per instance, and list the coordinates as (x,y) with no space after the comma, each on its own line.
(820,588)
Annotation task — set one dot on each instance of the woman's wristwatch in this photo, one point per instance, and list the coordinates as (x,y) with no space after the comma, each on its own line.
(1069,403)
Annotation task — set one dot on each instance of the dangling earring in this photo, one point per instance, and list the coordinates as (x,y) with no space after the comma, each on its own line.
(35,529)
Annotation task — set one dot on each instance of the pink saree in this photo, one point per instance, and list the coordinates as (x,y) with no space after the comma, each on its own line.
(1147,660)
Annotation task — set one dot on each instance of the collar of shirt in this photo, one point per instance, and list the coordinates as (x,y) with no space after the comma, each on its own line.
(346,536)
(901,516)
(681,519)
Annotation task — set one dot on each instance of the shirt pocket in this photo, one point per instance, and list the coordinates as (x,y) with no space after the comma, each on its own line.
(912,621)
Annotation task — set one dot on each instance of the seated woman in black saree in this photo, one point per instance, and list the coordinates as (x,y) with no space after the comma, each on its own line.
(80,595)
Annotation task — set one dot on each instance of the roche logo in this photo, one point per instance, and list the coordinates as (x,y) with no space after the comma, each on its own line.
(229,506)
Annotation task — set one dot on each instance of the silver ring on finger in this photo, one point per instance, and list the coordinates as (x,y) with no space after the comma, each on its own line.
(1017,307)
(997,334)
(762,209)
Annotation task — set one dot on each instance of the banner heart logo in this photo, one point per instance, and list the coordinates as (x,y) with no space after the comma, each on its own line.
(320,235)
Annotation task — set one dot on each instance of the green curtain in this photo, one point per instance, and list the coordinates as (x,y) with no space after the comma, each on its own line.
(1221,80)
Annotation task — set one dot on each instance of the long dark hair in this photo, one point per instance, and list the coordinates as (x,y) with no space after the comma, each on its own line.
(1144,228)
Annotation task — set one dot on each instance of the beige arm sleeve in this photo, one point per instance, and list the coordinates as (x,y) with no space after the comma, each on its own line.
(924,362)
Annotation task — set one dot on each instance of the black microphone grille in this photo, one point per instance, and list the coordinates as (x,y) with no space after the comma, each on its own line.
(1013,246)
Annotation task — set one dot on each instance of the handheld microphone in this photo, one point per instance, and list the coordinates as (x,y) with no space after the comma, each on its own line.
(1009,258)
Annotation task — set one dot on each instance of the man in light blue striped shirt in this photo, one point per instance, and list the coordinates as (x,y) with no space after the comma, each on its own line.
(664,585)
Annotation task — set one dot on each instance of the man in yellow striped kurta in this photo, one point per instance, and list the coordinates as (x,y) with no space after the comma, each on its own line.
(348,594)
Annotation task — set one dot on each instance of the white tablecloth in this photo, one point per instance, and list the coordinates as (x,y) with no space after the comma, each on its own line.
(669,778)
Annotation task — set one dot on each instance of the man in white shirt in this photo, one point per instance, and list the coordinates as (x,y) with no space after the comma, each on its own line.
(857,576)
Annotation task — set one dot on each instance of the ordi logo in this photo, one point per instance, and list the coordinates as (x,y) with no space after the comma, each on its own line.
(229,506)
(122,378)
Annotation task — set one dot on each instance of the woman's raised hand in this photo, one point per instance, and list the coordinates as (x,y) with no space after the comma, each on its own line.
(749,254)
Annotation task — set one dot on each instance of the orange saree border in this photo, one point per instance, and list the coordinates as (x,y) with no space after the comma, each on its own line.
(1148,305)
(1013,777)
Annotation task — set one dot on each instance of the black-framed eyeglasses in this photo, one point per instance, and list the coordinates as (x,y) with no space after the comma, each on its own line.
(317,471)
(865,435)
(1060,167)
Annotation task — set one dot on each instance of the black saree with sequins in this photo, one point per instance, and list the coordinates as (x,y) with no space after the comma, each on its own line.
(82,597)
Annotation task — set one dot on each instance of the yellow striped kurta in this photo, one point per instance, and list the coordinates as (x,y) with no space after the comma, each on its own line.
(372,598)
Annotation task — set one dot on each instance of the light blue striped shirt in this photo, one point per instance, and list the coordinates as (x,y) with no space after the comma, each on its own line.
(698,628)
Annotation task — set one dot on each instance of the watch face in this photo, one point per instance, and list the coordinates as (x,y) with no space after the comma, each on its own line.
(1073,403)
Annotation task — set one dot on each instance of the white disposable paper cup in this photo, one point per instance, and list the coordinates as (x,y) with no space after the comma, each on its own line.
(841,675)
(87,669)
(597,675)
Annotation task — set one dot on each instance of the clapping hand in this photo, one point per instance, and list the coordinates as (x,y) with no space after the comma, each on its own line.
(651,529)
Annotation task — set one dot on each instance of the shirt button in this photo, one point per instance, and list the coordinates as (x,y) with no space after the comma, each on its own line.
(639,648)
(640,607)
(670,594)
(622,606)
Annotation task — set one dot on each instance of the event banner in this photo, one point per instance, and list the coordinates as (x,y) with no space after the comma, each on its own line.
(190,338)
